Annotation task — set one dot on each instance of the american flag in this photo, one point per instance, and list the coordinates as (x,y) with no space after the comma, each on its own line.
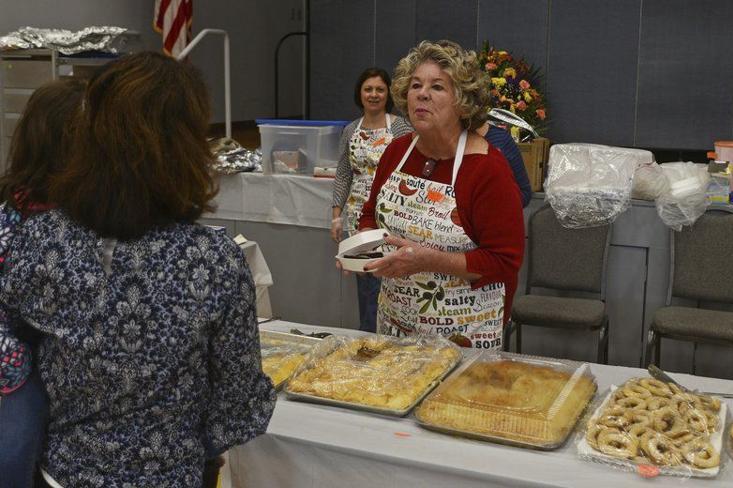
(172,18)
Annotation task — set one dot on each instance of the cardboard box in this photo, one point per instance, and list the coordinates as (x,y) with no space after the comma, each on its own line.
(535,155)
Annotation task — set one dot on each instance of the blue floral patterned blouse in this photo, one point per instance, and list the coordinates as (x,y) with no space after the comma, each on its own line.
(151,357)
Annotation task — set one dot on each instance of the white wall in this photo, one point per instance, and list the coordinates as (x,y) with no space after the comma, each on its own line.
(254,28)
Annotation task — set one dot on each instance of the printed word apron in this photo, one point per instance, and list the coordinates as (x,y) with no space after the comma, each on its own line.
(434,303)
(365,149)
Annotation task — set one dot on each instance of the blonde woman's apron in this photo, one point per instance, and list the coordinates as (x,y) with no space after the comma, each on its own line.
(365,149)
(434,303)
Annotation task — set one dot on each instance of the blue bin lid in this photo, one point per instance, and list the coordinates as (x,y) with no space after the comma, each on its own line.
(302,123)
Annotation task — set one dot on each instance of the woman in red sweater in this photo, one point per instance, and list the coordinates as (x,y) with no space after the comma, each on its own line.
(450,204)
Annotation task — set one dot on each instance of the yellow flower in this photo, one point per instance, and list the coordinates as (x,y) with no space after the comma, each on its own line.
(510,72)
(527,97)
(498,82)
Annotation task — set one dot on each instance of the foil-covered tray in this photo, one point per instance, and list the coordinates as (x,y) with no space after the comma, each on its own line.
(332,343)
(522,425)
(281,347)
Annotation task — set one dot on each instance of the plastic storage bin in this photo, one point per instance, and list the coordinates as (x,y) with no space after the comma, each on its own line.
(298,146)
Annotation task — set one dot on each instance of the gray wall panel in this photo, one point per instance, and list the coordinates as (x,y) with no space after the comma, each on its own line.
(591,90)
(395,33)
(254,29)
(498,24)
(455,20)
(342,44)
(686,74)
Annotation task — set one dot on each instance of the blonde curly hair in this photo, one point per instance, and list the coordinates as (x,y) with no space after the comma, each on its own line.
(470,83)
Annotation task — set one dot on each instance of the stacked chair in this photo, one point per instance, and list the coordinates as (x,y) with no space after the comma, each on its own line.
(701,270)
(566,260)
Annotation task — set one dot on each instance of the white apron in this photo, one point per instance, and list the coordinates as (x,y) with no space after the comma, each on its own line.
(434,303)
(365,149)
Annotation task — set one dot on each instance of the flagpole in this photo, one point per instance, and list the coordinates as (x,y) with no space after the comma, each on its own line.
(227,76)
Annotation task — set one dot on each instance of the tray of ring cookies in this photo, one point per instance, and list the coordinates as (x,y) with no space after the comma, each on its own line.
(513,399)
(653,427)
(282,353)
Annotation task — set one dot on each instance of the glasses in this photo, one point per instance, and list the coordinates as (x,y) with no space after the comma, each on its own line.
(428,168)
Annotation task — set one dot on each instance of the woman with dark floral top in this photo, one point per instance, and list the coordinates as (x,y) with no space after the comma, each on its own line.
(39,147)
(150,355)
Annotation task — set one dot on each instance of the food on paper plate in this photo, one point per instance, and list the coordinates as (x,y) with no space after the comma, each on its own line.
(648,421)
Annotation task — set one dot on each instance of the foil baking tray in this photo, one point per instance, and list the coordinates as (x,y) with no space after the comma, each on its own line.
(479,400)
(331,344)
(284,345)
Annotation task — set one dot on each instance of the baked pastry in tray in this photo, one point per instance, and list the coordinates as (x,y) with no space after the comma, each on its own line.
(511,399)
(650,422)
(379,373)
(282,353)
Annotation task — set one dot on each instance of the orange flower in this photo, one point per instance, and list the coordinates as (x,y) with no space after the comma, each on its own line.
(434,196)
(540,113)
(524,84)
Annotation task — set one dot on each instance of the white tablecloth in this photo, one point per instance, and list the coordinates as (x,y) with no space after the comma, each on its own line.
(316,446)
(277,199)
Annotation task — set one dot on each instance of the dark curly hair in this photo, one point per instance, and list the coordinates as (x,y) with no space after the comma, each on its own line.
(41,143)
(140,158)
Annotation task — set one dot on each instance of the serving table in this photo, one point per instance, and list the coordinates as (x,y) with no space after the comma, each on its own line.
(310,445)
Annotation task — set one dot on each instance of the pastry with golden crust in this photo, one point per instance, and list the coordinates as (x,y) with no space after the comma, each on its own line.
(512,400)
(280,358)
(381,372)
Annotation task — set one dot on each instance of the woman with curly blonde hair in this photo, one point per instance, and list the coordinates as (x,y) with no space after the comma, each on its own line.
(449,202)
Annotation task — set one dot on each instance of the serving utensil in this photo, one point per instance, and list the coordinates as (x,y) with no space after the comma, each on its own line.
(657,373)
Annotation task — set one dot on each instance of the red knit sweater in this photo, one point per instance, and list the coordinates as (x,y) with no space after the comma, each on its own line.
(489,205)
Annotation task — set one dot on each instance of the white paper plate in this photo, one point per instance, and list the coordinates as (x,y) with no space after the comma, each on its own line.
(362,242)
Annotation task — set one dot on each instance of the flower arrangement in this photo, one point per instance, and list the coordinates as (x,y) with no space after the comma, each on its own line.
(514,85)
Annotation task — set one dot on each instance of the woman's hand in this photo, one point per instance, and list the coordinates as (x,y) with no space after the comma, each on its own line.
(337,229)
(409,258)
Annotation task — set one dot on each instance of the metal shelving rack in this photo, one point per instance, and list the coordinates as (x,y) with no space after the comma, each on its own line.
(24,70)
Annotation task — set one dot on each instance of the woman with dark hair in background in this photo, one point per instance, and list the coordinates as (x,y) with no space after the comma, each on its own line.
(38,151)
(362,143)
(150,355)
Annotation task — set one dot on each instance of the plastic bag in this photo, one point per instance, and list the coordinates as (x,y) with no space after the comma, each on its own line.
(652,427)
(383,374)
(649,182)
(510,398)
(590,185)
(685,200)
(282,354)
